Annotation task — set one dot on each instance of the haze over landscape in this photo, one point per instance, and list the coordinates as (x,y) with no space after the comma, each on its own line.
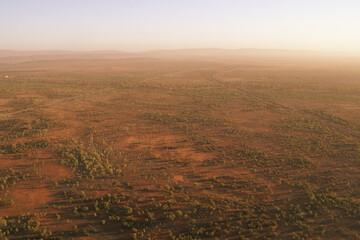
(179,120)
(322,25)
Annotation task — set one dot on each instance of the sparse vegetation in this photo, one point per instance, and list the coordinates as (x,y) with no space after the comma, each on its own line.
(150,153)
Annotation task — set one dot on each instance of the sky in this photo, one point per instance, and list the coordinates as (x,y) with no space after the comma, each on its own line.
(141,25)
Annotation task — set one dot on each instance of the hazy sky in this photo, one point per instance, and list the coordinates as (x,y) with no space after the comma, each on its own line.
(136,25)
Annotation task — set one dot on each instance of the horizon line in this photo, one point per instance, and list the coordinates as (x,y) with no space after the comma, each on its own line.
(164,49)
(281,50)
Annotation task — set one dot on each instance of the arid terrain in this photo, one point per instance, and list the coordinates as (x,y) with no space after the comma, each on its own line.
(192,144)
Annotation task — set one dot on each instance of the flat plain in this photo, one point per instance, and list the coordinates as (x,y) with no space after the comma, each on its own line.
(179,145)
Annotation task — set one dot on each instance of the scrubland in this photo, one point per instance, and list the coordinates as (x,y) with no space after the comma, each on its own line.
(161,147)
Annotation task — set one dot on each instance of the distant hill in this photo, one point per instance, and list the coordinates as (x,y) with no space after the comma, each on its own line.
(25,56)
(217,52)
(8,56)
